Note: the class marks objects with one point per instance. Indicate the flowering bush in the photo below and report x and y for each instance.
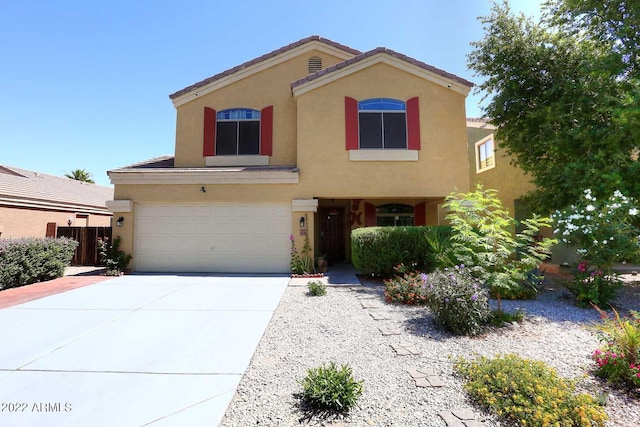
(619, 359)
(593, 287)
(112, 257)
(528, 392)
(603, 231)
(406, 287)
(457, 300)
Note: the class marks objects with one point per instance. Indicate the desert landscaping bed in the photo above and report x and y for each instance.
(306, 332)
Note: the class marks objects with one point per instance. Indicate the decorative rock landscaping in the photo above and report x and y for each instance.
(416, 389)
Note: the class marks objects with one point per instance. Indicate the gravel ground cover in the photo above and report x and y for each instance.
(307, 331)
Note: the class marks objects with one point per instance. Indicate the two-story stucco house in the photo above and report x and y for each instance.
(313, 139)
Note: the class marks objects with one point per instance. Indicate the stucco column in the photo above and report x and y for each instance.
(123, 211)
(303, 223)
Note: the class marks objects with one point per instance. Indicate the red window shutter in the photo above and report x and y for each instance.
(209, 143)
(370, 215)
(351, 123)
(266, 131)
(413, 124)
(420, 214)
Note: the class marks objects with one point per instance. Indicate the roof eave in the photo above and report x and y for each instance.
(368, 59)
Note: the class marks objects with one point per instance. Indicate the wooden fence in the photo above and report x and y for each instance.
(87, 237)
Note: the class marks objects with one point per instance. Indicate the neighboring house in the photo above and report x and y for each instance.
(490, 166)
(313, 139)
(32, 204)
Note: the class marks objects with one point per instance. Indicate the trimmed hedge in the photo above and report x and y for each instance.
(377, 250)
(31, 260)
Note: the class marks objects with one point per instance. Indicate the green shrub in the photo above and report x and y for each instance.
(500, 318)
(115, 260)
(377, 250)
(406, 287)
(521, 292)
(330, 388)
(317, 288)
(528, 392)
(483, 239)
(457, 300)
(619, 359)
(32, 260)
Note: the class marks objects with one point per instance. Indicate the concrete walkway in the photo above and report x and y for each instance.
(135, 350)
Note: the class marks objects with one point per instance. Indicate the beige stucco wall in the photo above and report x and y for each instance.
(20, 222)
(309, 132)
(325, 168)
(510, 181)
(268, 87)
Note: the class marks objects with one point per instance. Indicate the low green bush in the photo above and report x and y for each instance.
(457, 300)
(528, 393)
(329, 388)
(377, 250)
(501, 318)
(32, 260)
(317, 288)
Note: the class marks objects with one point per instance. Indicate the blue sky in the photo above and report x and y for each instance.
(85, 84)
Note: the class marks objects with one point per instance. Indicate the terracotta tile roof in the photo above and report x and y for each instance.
(263, 58)
(22, 184)
(376, 51)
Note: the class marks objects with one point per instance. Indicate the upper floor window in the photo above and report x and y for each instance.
(238, 136)
(394, 215)
(382, 124)
(237, 132)
(485, 156)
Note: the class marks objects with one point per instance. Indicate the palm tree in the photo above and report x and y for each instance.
(80, 175)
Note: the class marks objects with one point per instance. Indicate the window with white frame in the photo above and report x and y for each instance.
(382, 124)
(237, 132)
(394, 214)
(485, 154)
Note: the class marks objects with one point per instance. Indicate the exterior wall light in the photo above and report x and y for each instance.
(70, 221)
(119, 221)
(303, 222)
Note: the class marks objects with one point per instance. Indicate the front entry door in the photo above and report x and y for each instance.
(332, 237)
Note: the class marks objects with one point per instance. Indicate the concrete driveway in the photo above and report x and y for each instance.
(165, 350)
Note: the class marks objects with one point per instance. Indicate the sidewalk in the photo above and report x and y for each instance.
(75, 277)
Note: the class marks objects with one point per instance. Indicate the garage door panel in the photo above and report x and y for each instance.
(212, 238)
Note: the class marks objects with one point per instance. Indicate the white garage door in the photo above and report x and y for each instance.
(212, 238)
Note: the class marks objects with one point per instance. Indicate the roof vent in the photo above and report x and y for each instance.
(315, 64)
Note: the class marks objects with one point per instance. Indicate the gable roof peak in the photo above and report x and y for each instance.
(314, 38)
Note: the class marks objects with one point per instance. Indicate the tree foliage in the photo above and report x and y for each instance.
(80, 175)
(565, 96)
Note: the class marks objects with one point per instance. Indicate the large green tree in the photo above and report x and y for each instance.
(564, 94)
(80, 175)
